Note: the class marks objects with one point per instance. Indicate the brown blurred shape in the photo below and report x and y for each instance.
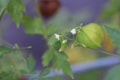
(107, 44)
(22, 78)
(48, 8)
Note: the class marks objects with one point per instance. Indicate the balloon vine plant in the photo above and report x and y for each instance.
(14, 65)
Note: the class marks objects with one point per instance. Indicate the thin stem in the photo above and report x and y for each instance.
(110, 53)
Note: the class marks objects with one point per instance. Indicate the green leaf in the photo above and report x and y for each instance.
(52, 40)
(15, 9)
(47, 57)
(111, 8)
(59, 59)
(67, 69)
(30, 63)
(108, 12)
(3, 5)
(118, 52)
(61, 63)
(45, 72)
(50, 78)
(51, 29)
(4, 50)
(33, 26)
(113, 74)
(113, 34)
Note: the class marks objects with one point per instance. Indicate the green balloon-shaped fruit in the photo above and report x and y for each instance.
(91, 35)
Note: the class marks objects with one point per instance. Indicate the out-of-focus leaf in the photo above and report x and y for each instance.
(45, 72)
(33, 26)
(51, 29)
(115, 3)
(61, 63)
(94, 74)
(113, 74)
(3, 5)
(113, 34)
(50, 78)
(52, 40)
(47, 57)
(118, 52)
(15, 9)
(30, 63)
(112, 8)
(5, 50)
(109, 12)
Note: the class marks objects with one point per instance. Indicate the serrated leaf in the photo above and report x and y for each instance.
(113, 74)
(47, 57)
(113, 34)
(30, 63)
(33, 26)
(59, 59)
(15, 9)
(52, 40)
(45, 72)
(61, 63)
(67, 69)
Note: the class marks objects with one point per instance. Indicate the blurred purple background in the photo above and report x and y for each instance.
(15, 35)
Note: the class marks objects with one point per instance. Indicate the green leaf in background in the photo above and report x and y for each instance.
(61, 63)
(52, 40)
(93, 74)
(108, 12)
(30, 63)
(118, 51)
(113, 74)
(3, 5)
(112, 8)
(4, 50)
(51, 78)
(115, 3)
(11, 64)
(33, 26)
(113, 34)
(51, 29)
(47, 57)
(15, 9)
(44, 72)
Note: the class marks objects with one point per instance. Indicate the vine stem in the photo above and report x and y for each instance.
(110, 53)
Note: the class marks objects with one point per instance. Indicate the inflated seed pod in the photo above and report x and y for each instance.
(91, 35)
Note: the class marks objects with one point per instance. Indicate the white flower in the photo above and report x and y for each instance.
(57, 36)
(73, 31)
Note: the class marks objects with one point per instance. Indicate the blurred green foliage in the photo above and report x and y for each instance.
(112, 7)
(16, 8)
(12, 61)
(95, 74)
(113, 73)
